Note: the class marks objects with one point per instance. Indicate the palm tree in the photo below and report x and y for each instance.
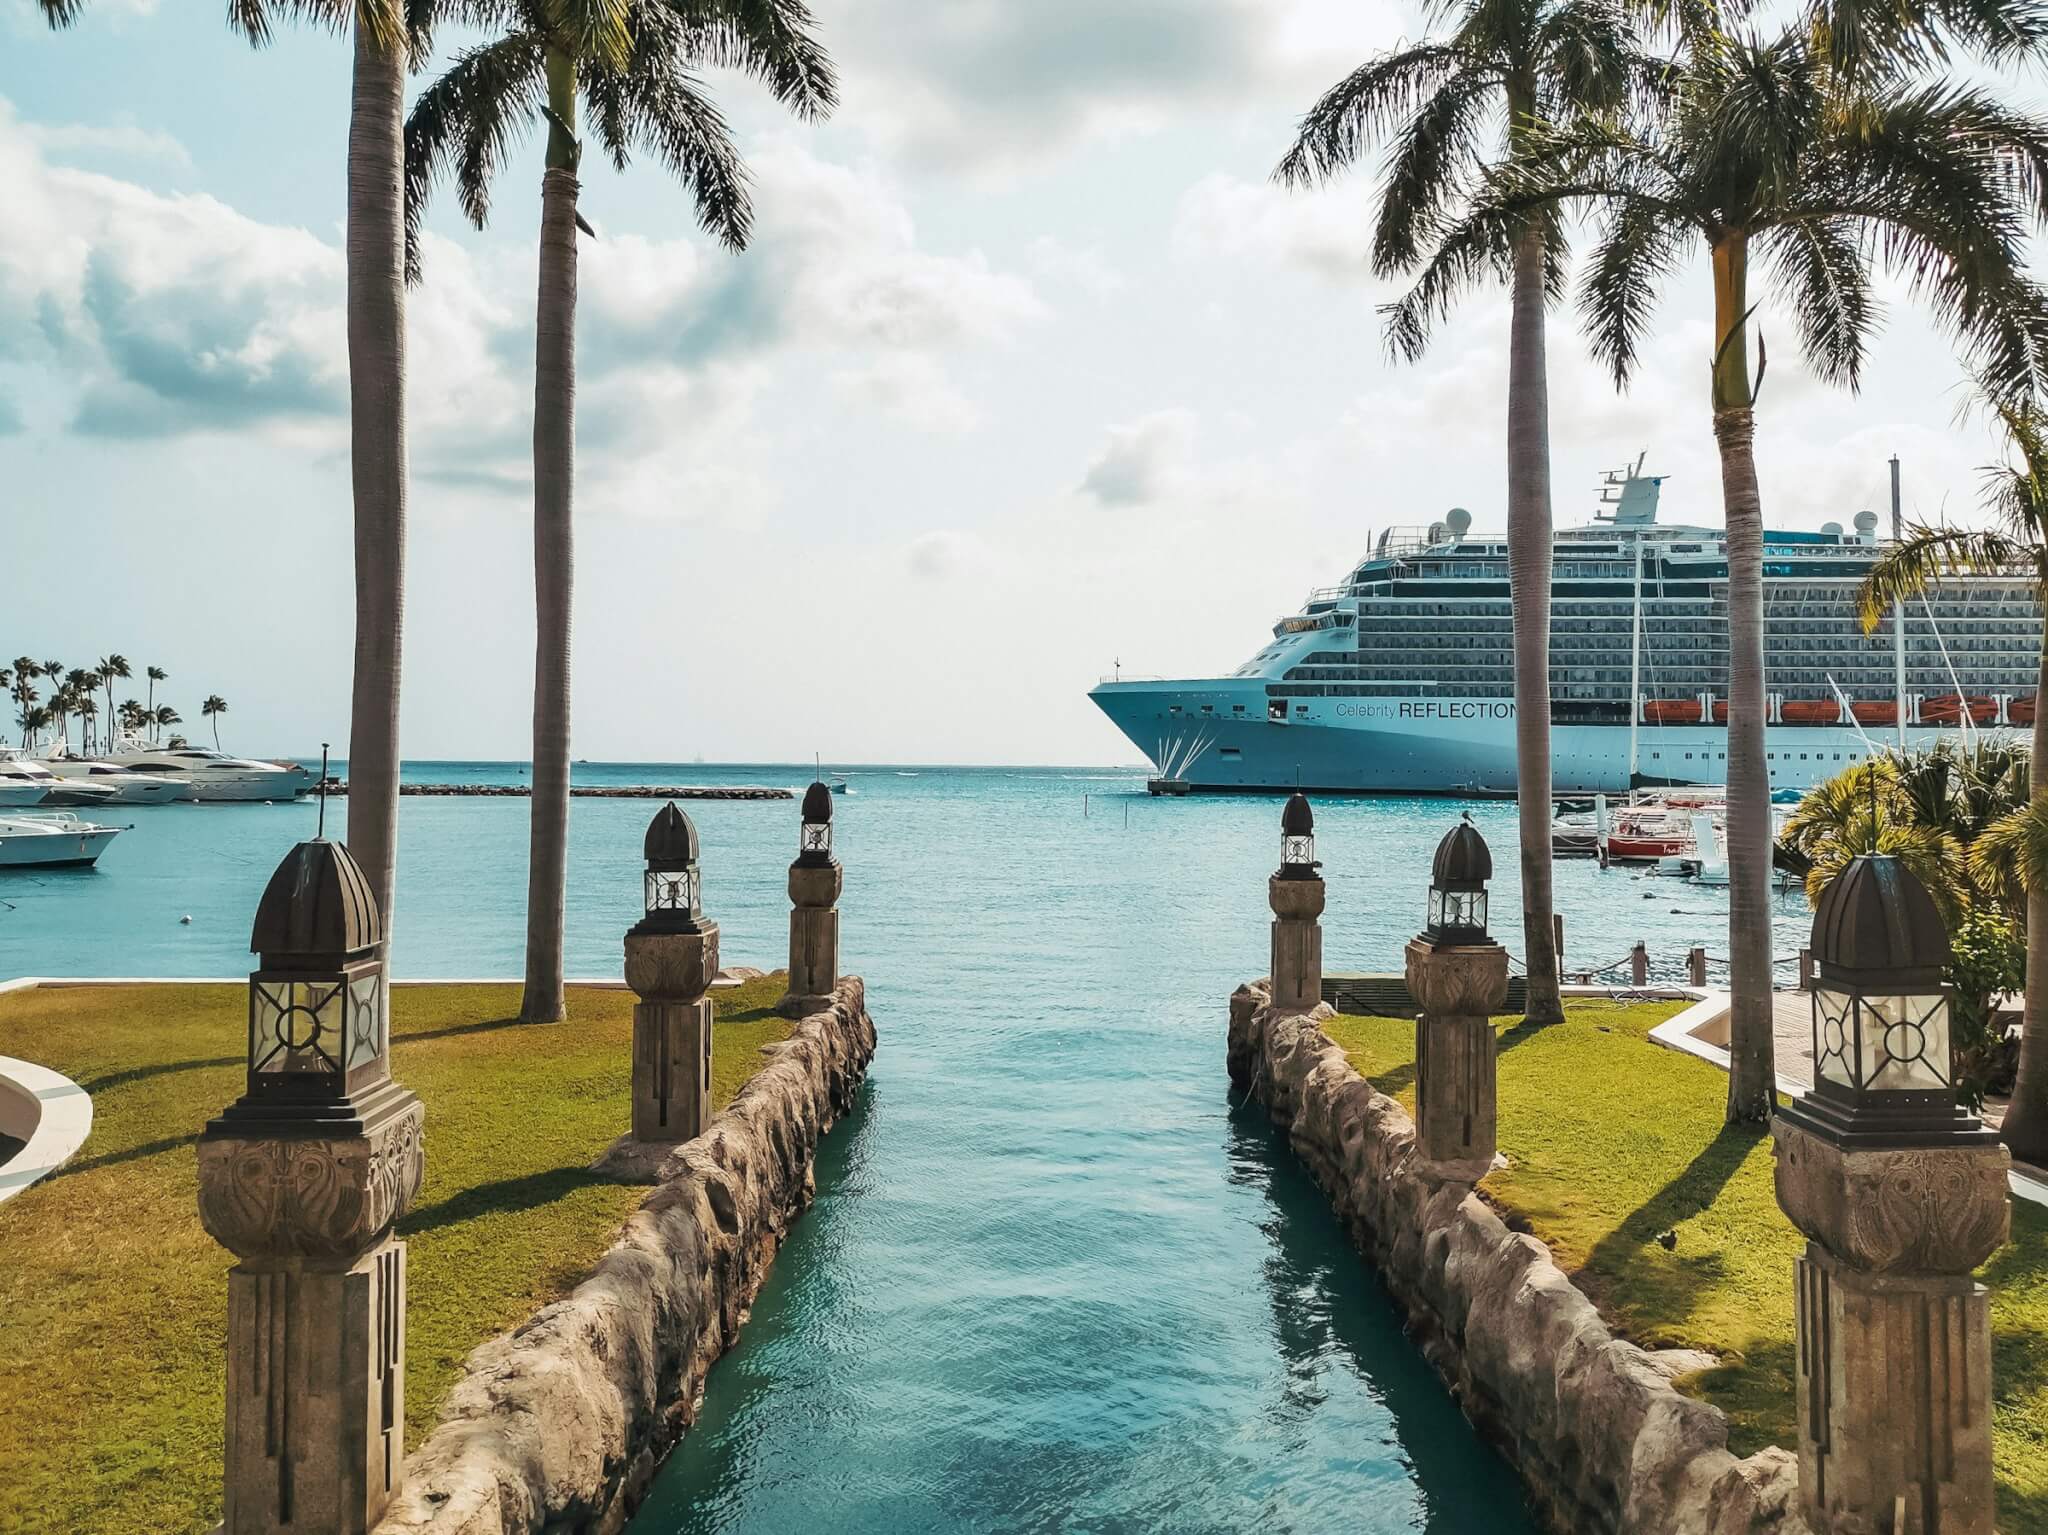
(2013, 849)
(156, 674)
(389, 34)
(1450, 107)
(634, 64)
(1765, 147)
(1870, 807)
(113, 668)
(31, 718)
(214, 707)
(164, 716)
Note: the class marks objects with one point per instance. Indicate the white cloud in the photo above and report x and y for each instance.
(946, 553)
(1327, 232)
(1082, 266)
(1143, 461)
(120, 136)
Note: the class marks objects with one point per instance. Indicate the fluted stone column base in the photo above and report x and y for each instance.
(1894, 1388)
(813, 961)
(316, 1395)
(1455, 1115)
(671, 1070)
(1297, 943)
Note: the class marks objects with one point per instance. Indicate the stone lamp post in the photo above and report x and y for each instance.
(1295, 892)
(671, 959)
(1901, 1195)
(815, 880)
(302, 1178)
(1459, 978)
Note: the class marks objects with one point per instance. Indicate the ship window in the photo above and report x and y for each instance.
(1228, 751)
(1276, 710)
(1301, 708)
(1208, 708)
(1237, 708)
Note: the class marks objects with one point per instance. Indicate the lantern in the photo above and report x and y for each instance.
(1457, 888)
(1884, 1068)
(318, 1027)
(1298, 839)
(673, 885)
(814, 838)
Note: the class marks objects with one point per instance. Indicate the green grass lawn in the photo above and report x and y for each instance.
(113, 1301)
(1614, 1140)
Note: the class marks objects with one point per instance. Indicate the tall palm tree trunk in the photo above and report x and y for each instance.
(1751, 1069)
(376, 384)
(1529, 541)
(2025, 1131)
(554, 463)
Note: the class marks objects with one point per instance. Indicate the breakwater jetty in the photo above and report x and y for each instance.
(600, 791)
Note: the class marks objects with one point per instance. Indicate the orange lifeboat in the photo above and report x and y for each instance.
(1720, 711)
(1672, 711)
(1948, 709)
(1809, 711)
(1874, 712)
(2019, 711)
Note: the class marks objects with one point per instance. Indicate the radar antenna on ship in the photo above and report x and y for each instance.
(1631, 493)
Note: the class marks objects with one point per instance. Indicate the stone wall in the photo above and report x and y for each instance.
(559, 1425)
(1602, 1439)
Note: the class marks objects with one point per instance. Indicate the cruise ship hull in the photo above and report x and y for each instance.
(1440, 745)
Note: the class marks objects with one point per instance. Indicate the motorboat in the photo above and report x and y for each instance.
(35, 784)
(53, 841)
(213, 775)
(129, 786)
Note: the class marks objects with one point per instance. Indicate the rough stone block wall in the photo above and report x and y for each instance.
(559, 1425)
(1603, 1441)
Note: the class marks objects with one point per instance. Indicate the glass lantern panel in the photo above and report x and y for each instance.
(367, 1036)
(671, 890)
(1905, 1042)
(296, 1026)
(816, 837)
(1464, 908)
(1436, 907)
(1834, 1036)
(1298, 850)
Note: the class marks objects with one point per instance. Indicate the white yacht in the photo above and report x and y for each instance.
(54, 841)
(129, 786)
(26, 781)
(212, 775)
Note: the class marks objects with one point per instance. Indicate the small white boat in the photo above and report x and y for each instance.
(54, 841)
(23, 773)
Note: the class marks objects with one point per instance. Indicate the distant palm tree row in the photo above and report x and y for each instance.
(1828, 142)
(636, 66)
(44, 714)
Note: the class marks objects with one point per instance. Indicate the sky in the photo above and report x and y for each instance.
(1029, 372)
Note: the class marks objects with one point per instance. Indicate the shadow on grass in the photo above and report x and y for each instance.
(1399, 1079)
(400, 1037)
(134, 1074)
(504, 1197)
(115, 1158)
(1755, 1390)
(1619, 1260)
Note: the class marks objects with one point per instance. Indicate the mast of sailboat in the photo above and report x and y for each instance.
(1898, 617)
(1635, 657)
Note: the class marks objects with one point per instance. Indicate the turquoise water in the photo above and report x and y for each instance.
(1052, 1281)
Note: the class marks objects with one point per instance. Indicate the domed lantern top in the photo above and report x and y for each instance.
(318, 1026)
(814, 838)
(1298, 839)
(1884, 1064)
(672, 888)
(1457, 887)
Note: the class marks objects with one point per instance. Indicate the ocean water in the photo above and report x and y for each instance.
(1053, 1280)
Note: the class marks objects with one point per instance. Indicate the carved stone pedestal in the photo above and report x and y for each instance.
(1297, 943)
(813, 937)
(1458, 989)
(1894, 1336)
(316, 1318)
(672, 972)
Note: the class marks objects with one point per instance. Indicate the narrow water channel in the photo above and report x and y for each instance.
(1053, 1281)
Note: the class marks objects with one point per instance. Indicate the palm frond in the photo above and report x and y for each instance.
(2013, 850)
(1366, 104)
(1923, 557)
(1821, 275)
(466, 121)
(1640, 245)
(660, 105)
(1434, 160)
(773, 41)
(1477, 248)
(62, 13)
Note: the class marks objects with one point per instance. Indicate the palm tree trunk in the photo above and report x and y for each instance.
(2025, 1130)
(1751, 1068)
(554, 463)
(1529, 541)
(376, 387)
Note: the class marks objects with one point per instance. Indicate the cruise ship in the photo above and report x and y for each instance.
(1401, 679)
